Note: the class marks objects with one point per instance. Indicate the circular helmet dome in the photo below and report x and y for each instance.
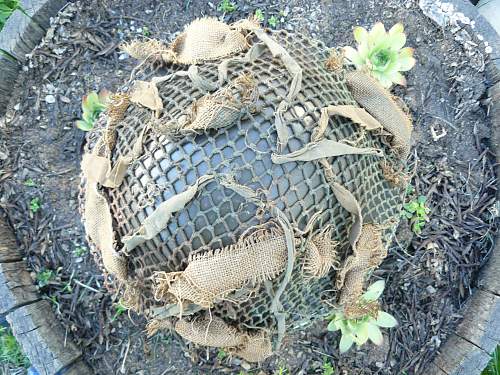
(249, 180)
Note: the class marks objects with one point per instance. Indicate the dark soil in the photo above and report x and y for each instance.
(429, 276)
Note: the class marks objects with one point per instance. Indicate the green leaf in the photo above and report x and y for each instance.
(361, 334)
(412, 206)
(407, 214)
(352, 55)
(346, 342)
(87, 102)
(85, 126)
(422, 199)
(376, 34)
(273, 21)
(259, 15)
(374, 334)
(88, 117)
(374, 291)
(360, 34)
(386, 320)
(332, 326)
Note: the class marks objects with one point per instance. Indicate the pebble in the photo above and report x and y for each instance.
(50, 99)
(431, 289)
(246, 366)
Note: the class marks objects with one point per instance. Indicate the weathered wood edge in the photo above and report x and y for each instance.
(21, 33)
(468, 350)
(32, 320)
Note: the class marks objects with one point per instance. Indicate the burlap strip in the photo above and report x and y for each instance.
(378, 102)
(276, 305)
(213, 111)
(213, 331)
(207, 39)
(367, 255)
(193, 74)
(320, 255)
(212, 275)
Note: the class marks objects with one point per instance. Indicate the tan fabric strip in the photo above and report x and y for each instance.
(193, 74)
(147, 95)
(98, 168)
(346, 200)
(378, 102)
(98, 225)
(295, 71)
(276, 305)
(159, 219)
(323, 149)
(253, 53)
(356, 114)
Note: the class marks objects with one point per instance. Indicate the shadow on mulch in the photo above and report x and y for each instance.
(429, 277)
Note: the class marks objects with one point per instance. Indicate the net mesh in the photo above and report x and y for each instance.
(217, 216)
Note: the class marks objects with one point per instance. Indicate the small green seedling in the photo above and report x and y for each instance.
(92, 106)
(282, 370)
(381, 53)
(80, 250)
(328, 368)
(272, 21)
(226, 6)
(145, 31)
(119, 310)
(10, 350)
(259, 15)
(221, 354)
(44, 277)
(417, 212)
(35, 205)
(359, 331)
(67, 287)
(493, 367)
(29, 182)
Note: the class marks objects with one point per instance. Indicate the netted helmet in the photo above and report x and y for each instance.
(248, 182)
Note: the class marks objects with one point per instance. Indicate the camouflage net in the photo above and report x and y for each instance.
(253, 189)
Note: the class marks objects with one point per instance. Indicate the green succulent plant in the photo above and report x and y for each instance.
(259, 15)
(417, 212)
(227, 6)
(93, 105)
(381, 53)
(120, 308)
(45, 277)
(273, 21)
(359, 331)
(35, 205)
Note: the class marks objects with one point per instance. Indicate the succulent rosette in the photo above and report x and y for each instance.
(381, 53)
